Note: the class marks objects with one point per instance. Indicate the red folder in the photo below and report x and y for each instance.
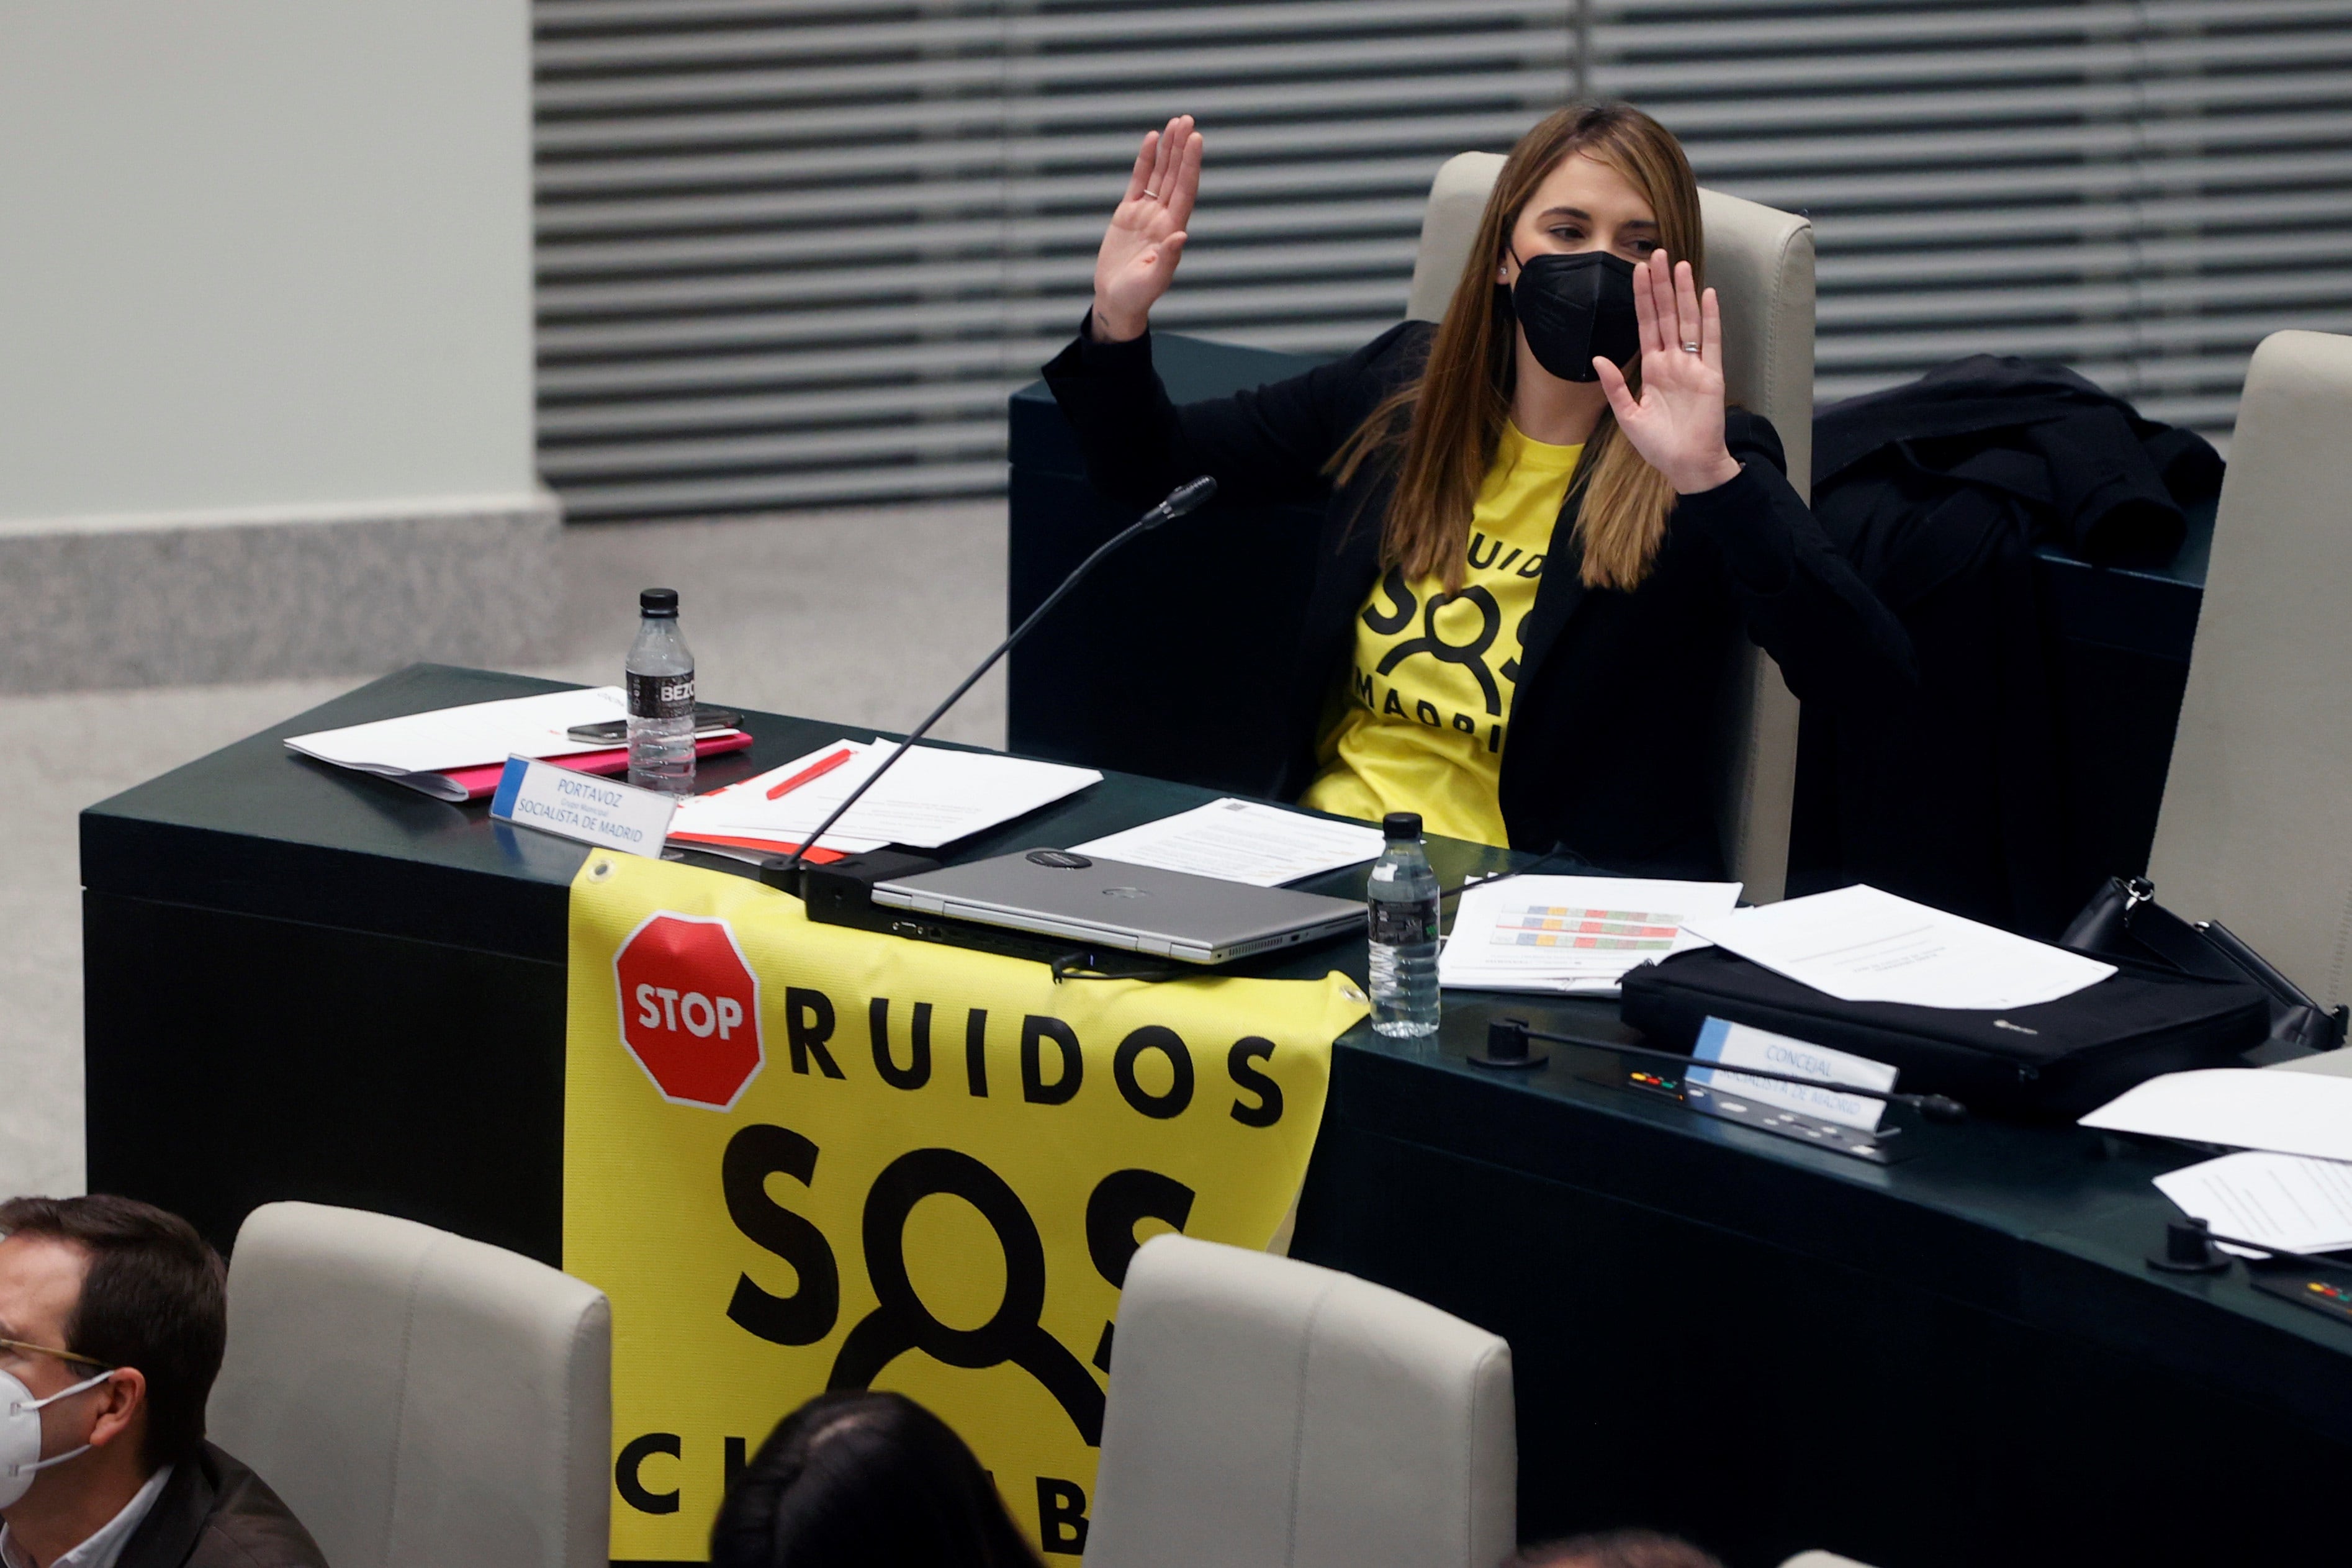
(479, 783)
(756, 848)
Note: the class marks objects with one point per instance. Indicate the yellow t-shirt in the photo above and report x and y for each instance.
(1422, 724)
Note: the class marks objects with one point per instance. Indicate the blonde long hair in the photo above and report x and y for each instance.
(1442, 430)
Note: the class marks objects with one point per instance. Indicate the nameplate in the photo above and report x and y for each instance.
(1738, 1046)
(603, 812)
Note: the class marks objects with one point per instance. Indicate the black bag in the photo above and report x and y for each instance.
(2122, 921)
(2053, 1060)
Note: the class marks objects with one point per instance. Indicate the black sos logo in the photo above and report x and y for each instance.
(900, 1322)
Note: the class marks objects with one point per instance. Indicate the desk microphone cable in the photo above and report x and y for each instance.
(2190, 1249)
(1506, 1041)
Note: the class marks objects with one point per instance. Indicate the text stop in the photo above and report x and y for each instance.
(689, 1008)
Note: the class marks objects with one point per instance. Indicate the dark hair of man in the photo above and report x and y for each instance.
(155, 1297)
(862, 1479)
(1616, 1549)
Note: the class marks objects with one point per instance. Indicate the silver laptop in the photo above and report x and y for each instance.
(1135, 908)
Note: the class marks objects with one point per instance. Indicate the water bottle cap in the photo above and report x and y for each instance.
(658, 602)
(1400, 826)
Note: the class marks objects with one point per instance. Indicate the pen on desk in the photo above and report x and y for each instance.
(815, 770)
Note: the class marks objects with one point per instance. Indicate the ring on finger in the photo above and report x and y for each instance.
(1690, 348)
(1152, 195)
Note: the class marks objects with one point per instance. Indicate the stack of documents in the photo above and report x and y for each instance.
(1573, 933)
(1859, 944)
(2279, 1200)
(441, 752)
(2293, 1188)
(933, 797)
(1241, 841)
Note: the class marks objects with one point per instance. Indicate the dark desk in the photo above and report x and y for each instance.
(304, 984)
(1957, 1359)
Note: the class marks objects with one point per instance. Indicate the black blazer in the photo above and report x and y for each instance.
(1615, 720)
(216, 1514)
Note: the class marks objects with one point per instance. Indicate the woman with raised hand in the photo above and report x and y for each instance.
(1541, 528)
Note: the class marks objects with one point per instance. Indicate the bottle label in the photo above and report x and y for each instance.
(661, 696)
(1402, 924)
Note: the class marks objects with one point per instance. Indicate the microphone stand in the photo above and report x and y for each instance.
(1186, 496)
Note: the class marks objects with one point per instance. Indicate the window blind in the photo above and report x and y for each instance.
(795, 254)
(798, 253)
(2141, 191)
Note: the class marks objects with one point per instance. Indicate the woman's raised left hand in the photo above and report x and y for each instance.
(1676, 423)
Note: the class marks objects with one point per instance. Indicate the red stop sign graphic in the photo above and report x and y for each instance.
(689, 1008)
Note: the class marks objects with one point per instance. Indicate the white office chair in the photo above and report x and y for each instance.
(1761, 262)
(419, 1400)
(1266, 1411)
(2256, 826)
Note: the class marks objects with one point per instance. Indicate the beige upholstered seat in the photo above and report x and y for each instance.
(1265, 1411)
(419, 1400)
(2256, 826)
(1761, 262)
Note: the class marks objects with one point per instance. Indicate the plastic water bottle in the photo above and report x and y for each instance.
(661, 697)
(1402, 916)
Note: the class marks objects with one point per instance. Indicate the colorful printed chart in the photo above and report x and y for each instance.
(1571, 933)
(1601, 931)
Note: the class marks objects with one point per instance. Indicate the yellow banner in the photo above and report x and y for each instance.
(800, 1156)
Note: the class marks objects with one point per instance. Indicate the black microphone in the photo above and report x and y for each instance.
(1507, 1046)
(1190, 496)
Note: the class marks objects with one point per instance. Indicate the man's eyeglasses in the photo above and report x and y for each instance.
(61, 1356)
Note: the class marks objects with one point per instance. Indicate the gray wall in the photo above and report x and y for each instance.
(263, 259)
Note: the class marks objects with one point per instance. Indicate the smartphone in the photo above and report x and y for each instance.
(707, 717)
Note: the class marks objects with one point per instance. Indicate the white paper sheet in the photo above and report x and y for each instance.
(1863, 945)
(1241, 841)
(473, 735)
(2241, 1108)
(2282, 1200)
(1739, 1046)
(932, 798)
(1577, 934)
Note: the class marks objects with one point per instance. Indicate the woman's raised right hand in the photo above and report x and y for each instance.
(1146, 238)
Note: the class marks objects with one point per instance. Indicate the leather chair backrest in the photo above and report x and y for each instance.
(1264, 1410)
(2255, 830)
(1760, 263)
(419, 1400)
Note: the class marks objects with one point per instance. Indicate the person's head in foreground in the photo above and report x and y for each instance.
(1615, 1549)
(865, 1480)
(114, 1316)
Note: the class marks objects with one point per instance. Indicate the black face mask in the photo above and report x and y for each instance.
(1575, 306)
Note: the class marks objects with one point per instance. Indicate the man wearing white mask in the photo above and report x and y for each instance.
(113, 1315)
